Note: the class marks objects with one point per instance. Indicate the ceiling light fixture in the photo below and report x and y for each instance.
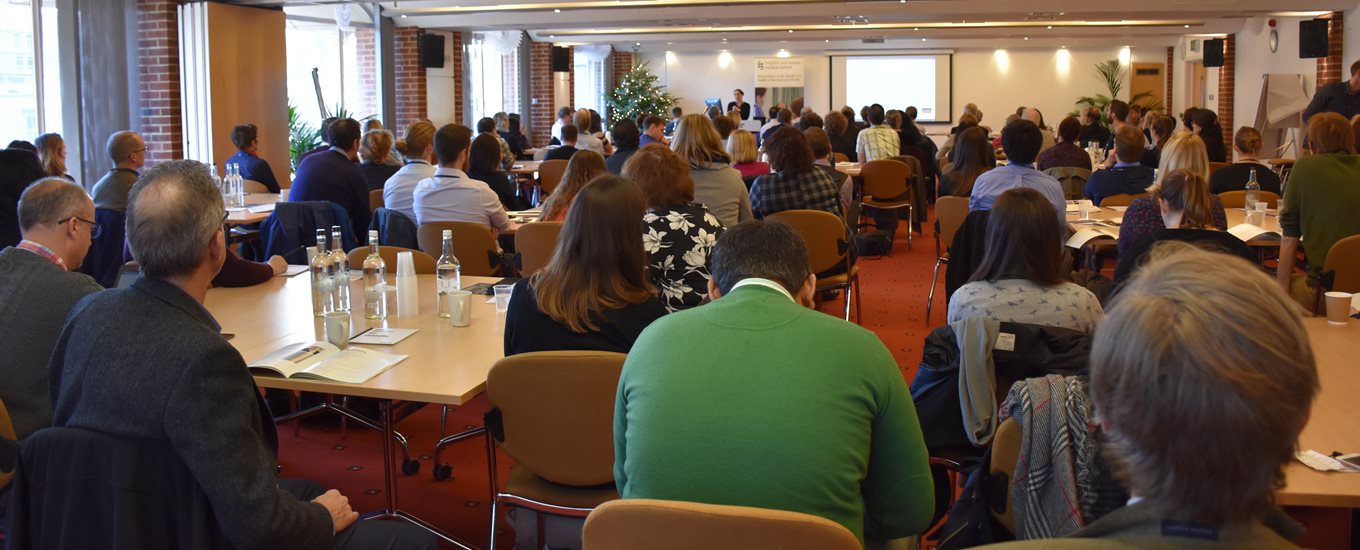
(782, 53)
(1050, 27)
(871, 27)
(403, 16)
(923, 40)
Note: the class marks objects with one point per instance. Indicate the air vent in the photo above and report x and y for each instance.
(851, 19)
(1044, 15)
(873, 40)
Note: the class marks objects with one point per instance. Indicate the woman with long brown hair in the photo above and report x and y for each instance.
(973, 155)
(594, 294)
(716, 184)
(52, 154)
(581, 169)
(1021, 277)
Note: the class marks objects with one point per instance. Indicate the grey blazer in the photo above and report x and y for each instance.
(149, 362)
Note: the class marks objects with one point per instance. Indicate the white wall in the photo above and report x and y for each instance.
(694, 77)
(1254, 60)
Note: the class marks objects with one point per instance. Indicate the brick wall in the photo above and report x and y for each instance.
(1329, 69)
(542, 110)
(457, 99)
(622, 63)
(1225, 85)
(365, 62)
(158, 72)
(410, 77)
(1170, 81)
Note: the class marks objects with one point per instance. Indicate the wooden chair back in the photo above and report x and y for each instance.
(1238, 199)
(840, 157)
(824, 234)
(1073, 180)
(473, 244)
(1343, 261)
(252, 186)
(673, 525)
(950, 211)
(535, 243)
(1122, 199)
(550, 174)
(7, 432)
(1216, 166)
(423, 262)
(1005, 454)
(884, 180)
(375, 200)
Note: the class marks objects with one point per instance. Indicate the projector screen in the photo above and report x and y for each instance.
(895, 82)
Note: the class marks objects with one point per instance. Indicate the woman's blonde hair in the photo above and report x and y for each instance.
(582, 167)
(375, 146)
(582, 121)
(49, 153)
(697, 141)
(419, 135)
(1184, 151)
(741, 147)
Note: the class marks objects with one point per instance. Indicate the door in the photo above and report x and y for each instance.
(1149, 78)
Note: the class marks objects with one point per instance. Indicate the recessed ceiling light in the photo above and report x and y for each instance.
(790, 31)
(828, 41)
(923, 40)
(403, 16)
(557, 11)
(916, 28)
(1050, 27)
(1187, 26)
(1026, 38)
(637, 43)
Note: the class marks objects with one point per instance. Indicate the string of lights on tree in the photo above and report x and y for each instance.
(639, 93)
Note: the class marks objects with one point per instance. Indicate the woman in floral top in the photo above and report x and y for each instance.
(678, 234)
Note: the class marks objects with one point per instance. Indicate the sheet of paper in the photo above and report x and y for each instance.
(1080, 238)
(292, 270)
(355, 365)
(382, 336)
(1247, 232)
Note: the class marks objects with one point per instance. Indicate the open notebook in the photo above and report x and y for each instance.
(1248, 232)
(323, 361)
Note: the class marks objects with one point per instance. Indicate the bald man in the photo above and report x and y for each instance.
(128, 152)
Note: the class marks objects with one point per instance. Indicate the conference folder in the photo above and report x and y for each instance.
(323, 361)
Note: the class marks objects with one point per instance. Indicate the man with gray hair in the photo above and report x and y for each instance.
(38, 288)
(149, 362)
(771, 370)
(128, 152)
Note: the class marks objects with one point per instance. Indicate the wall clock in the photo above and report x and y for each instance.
(1274, 40)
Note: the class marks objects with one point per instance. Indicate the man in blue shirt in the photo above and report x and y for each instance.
(1128, 176)
(333, 176)
(652, 132)
(1021, 141)
(246, 137)
(1341, 97)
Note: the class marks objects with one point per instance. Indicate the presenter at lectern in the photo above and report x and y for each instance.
(740, 104)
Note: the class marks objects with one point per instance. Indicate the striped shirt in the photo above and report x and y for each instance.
(42, 251)
(878, 142)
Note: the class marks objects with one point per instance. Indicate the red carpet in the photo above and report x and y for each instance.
(894, 291)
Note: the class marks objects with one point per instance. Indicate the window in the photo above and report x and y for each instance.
(345, 72)
(494, 73)
(30, 95)
(590, 77)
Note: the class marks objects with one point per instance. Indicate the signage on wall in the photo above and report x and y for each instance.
(779, 72)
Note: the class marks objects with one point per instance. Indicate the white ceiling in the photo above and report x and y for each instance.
(706, 25)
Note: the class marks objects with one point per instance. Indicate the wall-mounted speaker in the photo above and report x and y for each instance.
(432, 51)
(1213, 52)
(1313, 38)
(561, 59)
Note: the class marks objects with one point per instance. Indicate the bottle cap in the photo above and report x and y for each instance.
(405, 265)
(448, 233)
(373, 235)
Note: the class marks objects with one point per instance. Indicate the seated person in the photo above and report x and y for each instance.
(773, 371)
(626, 138)
(653, 131)
(842, 142)
(594, 294)
(1021, 278)
(128, 152)
(487, 127)
(1092, 131)
(741, 147)
(418, 148)
(796, 184)
(332, 176)
(174, 380)
(678, 234)
(1248, 144)
(1021, 140)
(1185, 205)
(676, 113)
(973, 156)
(38, 287)
(484, 165)
(375, 152)
(564, 115)
(1200, 434)
(724, 125)
(512, 135)
(19, 168)
(716, 184)
(568, 147)
(246, 138)
(1184, 151)
(1159, 130)
(820, 142)
(586, 138)
(1065, 154)
(583, 167)
(1128, 176)
(450, 195)
(1320, 203)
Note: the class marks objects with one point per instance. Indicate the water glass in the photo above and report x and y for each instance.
(1084, 209)
(502, 294)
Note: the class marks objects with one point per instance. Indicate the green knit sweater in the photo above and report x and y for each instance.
(754, 400)
(1322, 203)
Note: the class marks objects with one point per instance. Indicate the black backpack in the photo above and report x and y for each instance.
(971, 521)
(873, 243)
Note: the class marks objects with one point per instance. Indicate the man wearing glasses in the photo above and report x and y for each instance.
(128, 152)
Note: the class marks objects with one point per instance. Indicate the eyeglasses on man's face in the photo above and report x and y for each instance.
(95, 228)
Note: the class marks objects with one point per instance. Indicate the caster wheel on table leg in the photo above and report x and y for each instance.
(443, 472)
(410, 466)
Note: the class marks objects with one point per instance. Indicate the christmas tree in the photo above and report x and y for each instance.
(638, 93)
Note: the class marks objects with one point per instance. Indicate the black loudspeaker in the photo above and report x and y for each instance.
(1213, 52)
(432, 51)
(1313, 38)
(561, 60)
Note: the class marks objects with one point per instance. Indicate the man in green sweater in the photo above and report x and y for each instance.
(756, 399)
(1321, 203)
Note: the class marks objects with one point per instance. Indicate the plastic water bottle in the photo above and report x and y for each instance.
(219, 182)
(448, 275)
(1253, 192)
(323, 299)
(375, 281)
(340, 264)
(238, 185)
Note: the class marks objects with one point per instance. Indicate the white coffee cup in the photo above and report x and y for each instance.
(460, 306)
(1338, 306)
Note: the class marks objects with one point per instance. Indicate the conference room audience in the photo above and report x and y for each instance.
(725, 125)
(246, 138)
(450, 195)
(678, 234)
(1021, 277)
(39, 286)
(627, 140)
(653, 131)
(946, 155)
(1184, 150)
(570, 136)
(52, 155)
(1205, 125)
(879, 141)
(1185, 204)
(676, 113)
(564, 117)
(1128, 176)
(1247, 143)
(586, 139)
(23, 145)
(514, 135)
(796, 184)
(1021, 140)
(912, 144)
(783, 118)
(19, 168)
(487, 126)
(583, 168)
(814, 373)
(1034, 115)
(375, 150)
(717, 185)
(1118, 113)
(128, 153)
(1320, 203)
(418, 148)
(1066, 153)
(1160, 127)
(594, 294)
(1251, 400)
(209, 413)
(484, 165)
(820, 143)
(974, 156)
(810, 120)
(741, 148)
(842, 141)
(853, 126)
(334, 177)
(911, 112)
(324, 132)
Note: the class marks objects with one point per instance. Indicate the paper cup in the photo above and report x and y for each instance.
(337, 329)
(1338, 307)
(460, 308)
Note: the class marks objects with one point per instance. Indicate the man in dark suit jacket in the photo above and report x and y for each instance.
(332, 176)
(1127, 176)
(568, 147)
(148, 362)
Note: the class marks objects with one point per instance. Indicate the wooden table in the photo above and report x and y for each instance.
(1235, 217)
(243, 217)
(1332, 426)
(525, 167)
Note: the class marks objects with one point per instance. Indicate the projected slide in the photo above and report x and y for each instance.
(894, 81)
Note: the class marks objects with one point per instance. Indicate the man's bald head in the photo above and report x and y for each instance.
(51, 201)
(126, 147)
(174, 212)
